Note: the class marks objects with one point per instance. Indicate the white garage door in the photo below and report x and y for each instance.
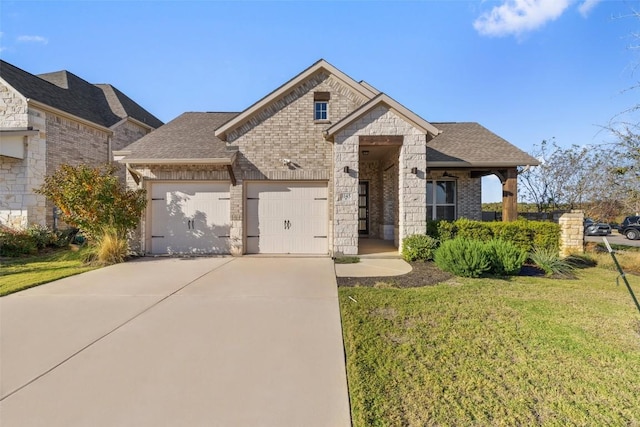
(189, 217)
(287, 218)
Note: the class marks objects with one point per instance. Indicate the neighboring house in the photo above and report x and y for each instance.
(314, 166)
(51, 119)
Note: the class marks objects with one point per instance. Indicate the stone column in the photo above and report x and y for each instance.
(571, 233)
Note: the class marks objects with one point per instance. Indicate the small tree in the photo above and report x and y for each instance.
(94, 200)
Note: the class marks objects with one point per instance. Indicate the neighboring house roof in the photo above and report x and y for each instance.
(364, 89)
(472, 145)
(103, 105)
(383, 99)
(189, 138)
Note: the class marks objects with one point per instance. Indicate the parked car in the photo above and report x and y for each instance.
(630, 227)
(594, 228)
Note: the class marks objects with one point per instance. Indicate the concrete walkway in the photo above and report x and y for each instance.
(378, 258)
(194, 342)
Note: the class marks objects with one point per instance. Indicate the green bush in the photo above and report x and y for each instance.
(523, 233)
(463, 257)
(517, 232)
(545, 235)
(473, 230)
(506, 258)
(549, 260)
(14, 243)
(418, 247)
(446, 230)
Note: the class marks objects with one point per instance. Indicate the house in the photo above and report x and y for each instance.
(51, 119)
(316, 165)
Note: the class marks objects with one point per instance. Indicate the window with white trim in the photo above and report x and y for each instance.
(321, 110)
(441, 200)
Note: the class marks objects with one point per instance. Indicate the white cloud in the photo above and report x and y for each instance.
(33, 39)
(586, 7)
(520, 16)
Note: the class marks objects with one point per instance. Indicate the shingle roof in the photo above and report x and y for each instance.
(67, 92)
(188, 136)
(470, 144)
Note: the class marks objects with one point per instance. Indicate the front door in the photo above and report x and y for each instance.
(363, 207)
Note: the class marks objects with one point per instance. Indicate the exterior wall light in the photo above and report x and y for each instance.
(346, 169)
(414, 171)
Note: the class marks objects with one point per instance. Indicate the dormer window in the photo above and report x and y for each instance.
(321, 106)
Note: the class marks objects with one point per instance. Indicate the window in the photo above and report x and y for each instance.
(321, 110)
(441, 200)
(321, 105)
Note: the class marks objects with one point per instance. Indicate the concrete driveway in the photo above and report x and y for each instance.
(165, 342)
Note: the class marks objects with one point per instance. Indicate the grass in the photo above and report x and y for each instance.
(17, 274)
(524, 351)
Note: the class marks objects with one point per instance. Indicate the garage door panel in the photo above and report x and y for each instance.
(190, 217)
(287, 217)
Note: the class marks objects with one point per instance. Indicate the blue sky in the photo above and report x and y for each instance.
(527, 70)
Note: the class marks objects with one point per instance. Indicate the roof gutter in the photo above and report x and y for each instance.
(462, 164)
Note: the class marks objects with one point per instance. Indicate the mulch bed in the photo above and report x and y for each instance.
(423, 274)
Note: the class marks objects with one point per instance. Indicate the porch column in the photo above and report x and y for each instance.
(509, 194)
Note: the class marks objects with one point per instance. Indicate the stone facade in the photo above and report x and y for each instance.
(411, 187)
(19, 206)
(571, 233)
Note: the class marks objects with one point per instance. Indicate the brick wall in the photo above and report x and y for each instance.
(123, 135)
(73, 143)
(370, 171)
(287, 130)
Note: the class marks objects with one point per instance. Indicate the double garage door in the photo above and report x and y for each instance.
(281, 218)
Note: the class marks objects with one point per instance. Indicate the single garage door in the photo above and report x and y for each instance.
(287, 218)
(188, 217)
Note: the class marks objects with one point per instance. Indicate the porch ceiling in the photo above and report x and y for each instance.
(376, 153)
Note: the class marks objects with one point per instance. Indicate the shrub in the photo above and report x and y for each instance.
(109, 248)
(506, 258)
(418, 247)
(517, 232)
(92, 199)
(445, 230)
(462, 257)
(545, 235)
(14, 243)
(473, 230)
(549, 260)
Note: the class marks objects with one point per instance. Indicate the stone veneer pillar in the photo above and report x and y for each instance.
(571, 233)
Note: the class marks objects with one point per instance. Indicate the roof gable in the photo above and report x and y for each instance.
(362, 89)
(387, 101)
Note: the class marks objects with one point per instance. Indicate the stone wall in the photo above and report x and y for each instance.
(19, 206)
(571, 233)
(411, 187)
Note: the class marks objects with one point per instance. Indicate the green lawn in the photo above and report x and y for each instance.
(526, 351)
(21, 273)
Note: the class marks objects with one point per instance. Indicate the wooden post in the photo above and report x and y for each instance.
(510, 195)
